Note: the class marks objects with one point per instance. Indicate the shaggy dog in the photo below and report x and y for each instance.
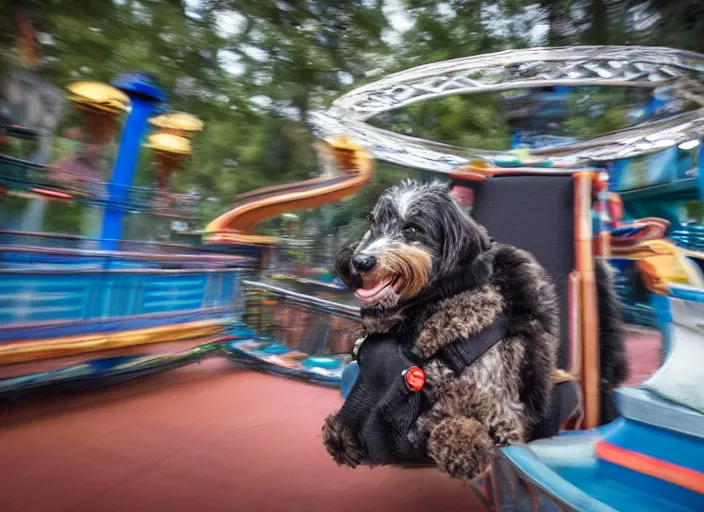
(427, 276)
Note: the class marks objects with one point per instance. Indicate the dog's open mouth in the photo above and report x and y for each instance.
(373, 291)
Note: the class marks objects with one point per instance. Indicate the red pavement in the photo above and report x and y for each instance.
(643, 347)
(209, 438)
(204, 438)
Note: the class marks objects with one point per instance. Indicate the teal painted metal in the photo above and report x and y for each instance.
(663, 319)
(65, 295)
(566, 473)
(660, 183)
(670, 209)
(521, 481)
(635, 304)
(348, 378)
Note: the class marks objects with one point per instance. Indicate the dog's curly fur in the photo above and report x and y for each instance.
(461, 281)
(613, 368)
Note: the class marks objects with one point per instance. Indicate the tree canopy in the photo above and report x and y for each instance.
(252, 70)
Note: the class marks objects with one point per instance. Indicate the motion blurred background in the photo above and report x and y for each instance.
(253, 70)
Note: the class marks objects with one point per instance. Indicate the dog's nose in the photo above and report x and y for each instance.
(364, 262)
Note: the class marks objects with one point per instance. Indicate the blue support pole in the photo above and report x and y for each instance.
(145, 97)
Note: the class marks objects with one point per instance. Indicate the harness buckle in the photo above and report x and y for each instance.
(414, 378)
(357, 346)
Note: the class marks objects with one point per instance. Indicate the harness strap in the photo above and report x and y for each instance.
(461, 353)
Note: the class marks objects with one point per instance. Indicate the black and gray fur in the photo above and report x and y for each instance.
(613, 361)
(462, 281)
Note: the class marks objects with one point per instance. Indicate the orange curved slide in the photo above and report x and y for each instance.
(352, 168)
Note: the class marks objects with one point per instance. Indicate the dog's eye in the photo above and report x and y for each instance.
(410, 230)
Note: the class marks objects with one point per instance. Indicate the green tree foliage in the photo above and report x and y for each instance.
(674, 23)
(252, 70)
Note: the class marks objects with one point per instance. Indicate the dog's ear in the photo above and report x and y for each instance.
(344, 269)
(464, 239)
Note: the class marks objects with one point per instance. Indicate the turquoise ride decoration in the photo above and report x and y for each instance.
(110, 300)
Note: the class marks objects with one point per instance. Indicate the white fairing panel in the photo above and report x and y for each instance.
(681, 377)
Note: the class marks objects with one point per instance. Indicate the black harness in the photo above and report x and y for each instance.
(385, 402)
(460, 354)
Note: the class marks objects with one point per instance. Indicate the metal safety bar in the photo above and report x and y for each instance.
(308, 301)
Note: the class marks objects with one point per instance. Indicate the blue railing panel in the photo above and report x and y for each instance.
(63, 295)
(43, 298)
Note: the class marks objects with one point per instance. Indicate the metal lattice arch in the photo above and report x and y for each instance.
(679, 72)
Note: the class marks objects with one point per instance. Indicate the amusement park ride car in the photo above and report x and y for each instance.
(651, 458)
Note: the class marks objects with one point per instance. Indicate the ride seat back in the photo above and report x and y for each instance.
(534, 213)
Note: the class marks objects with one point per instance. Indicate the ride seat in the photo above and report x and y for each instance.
(537, 211)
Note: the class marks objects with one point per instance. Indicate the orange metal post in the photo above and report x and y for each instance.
(575, 319)
(603, 244)
(589, 312)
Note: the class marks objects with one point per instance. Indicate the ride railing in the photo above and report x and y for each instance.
(58, 302)
(20, 249)
(26, 257)
(56, 183)
(48, 317)
(66, 241)
(689, 236)
(299, 321)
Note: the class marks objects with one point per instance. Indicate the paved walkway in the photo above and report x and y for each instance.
(643, 347)
(205, 438)
(209, 438)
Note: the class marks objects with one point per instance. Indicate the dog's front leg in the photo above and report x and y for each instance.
(341, 443)
(460, 446)
(466, 425)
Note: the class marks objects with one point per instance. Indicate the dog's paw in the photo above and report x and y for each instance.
(461, 447)
(340, 443)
